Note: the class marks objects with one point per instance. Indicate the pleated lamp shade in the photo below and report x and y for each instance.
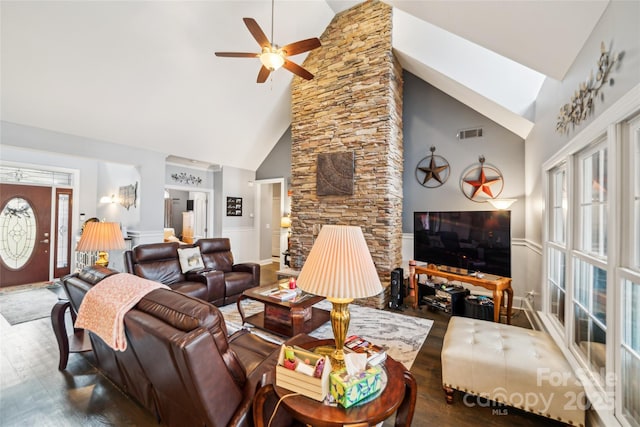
(101, 236)
(340, 265)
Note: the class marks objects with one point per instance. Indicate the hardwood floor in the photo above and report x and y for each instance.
(33, 391)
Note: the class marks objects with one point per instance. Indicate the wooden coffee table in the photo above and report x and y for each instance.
(286, 318)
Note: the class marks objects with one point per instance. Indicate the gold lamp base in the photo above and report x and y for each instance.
(340, 318)
(103, 259)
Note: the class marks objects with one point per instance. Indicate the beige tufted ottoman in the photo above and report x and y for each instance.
(518, 367)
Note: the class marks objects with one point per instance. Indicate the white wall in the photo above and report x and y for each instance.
(33, 145)
(112, 176)
(240, 229)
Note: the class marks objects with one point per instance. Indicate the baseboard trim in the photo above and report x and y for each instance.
(532, 315)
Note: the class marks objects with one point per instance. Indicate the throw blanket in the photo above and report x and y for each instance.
(104, 306)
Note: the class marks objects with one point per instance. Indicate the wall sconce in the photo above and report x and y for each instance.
(502, 204)
(109, 199)
(285, 221)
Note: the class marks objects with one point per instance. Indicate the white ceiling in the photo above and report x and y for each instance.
(144, 74)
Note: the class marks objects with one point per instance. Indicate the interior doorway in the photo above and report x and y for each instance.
(272, 204)
(188, 214)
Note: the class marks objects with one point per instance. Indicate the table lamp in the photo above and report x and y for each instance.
(101, 237)
(285, 222)
(340, 268)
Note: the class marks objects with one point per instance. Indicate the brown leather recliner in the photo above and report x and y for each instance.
(216, 255)
(179, 362)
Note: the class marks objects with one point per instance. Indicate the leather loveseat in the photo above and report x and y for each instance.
(179, 362)
(221, 282)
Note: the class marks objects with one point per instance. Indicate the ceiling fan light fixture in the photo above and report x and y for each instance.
(271, 56)
(272, 59)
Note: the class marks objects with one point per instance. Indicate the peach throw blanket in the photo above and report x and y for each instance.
(104, 306)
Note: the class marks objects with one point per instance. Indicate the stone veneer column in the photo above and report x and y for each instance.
(354, 104)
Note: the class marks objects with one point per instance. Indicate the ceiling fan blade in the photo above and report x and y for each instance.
(263, 74)
(256, 32)
(301, 46)
(237, 54)
(297, 70)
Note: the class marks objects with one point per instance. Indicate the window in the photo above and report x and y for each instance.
(593, 200)
(629, 273)
(62, 236)
(559, 206)
(10, 174)
(589, 259)
(18, 230)
(630, 352)
(557, 283)
(591, 253)
(634, 133)
(590, 334)
(557, 251)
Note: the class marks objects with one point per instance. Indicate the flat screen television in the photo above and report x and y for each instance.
(472, 240)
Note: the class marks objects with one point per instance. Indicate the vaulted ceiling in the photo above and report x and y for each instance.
(143, 73)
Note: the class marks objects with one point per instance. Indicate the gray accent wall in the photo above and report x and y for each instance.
(433, 118)
(277, 164)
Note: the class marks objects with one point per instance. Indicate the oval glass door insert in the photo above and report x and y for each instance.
(17, 233)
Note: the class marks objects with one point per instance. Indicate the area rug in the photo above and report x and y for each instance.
(402, 336)
(23, 306)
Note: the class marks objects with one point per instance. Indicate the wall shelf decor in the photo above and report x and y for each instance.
(129, 195)
(234, 206)
(481, 182)
(432, 171)
(581, 104)
(334, 175)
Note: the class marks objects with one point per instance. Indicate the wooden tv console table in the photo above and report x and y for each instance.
(501, 286)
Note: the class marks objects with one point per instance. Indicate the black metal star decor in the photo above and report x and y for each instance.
(480, 183)
(433, 170)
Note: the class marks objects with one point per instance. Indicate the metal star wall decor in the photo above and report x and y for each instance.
(433, 170)
(479, 183)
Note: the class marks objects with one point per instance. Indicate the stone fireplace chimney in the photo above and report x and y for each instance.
(353, 106)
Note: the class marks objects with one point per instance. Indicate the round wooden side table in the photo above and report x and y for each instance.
(318, 414)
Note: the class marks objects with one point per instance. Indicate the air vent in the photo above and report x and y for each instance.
(469, 133)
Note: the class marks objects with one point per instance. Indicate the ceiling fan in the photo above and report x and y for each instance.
(272, 56)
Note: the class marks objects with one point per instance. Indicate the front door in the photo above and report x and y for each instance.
(25, 225)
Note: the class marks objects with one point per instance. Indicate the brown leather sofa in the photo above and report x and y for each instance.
(221, 282)
(179, 362)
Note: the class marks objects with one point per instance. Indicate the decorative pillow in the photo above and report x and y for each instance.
(190, 259)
